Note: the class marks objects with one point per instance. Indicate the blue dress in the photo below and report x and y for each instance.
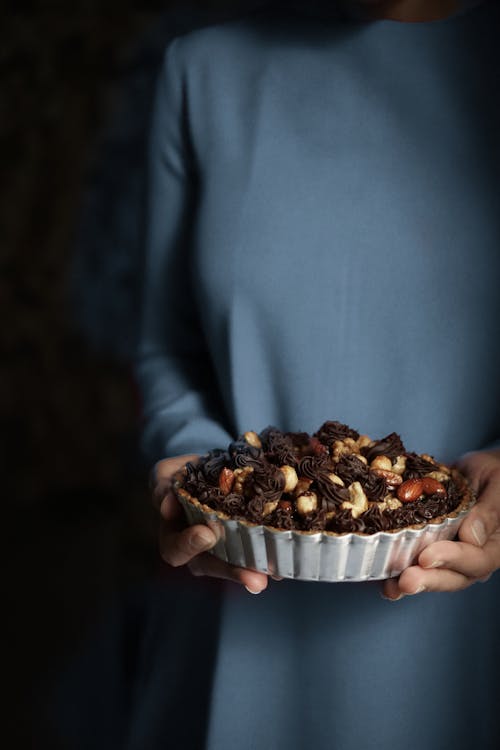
(324, 243)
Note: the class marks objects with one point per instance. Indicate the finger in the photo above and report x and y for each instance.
(415, 580)
(180, 547)
(468, 559)
(208, 565)
(170, 508)
(484, 518)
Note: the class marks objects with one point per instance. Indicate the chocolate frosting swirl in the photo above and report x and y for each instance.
(344, 522)
(390, 446)
(350, 469)
(213, 463)
(266, 482)
(314, 521)
(331, 431)
(330, 495)
(279, 447)
(417, 467)
(374, 486)
(310, 466)
(282, 519)
(243, 455)
(232, 504)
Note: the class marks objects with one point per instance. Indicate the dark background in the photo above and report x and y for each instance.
(76, 94)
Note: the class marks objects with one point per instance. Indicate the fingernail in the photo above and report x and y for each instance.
(252, 592)
(201, 540)
(393, 598)
(419, 590)
(435, 564)
(479, 533)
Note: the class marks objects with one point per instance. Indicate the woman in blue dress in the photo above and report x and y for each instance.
(324, 243)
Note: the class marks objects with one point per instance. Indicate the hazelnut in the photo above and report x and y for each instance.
(351, 444)
(334, 479)
(365, 442)
(302, 486)
(399, 466)
(307, 503)
(358, 502)
(381, 462)
(270, 507)
(252, 439)
(291, 478)
(339, 449)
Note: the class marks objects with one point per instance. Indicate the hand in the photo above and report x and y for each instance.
(455, 565)
(188, 545)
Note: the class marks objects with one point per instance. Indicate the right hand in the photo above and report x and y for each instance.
(188, 545)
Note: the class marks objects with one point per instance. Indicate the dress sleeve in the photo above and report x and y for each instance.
(181, 403)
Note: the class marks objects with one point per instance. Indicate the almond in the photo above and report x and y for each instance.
(226, 481)
(410, 490)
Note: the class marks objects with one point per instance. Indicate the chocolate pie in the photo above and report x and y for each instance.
(335, 481)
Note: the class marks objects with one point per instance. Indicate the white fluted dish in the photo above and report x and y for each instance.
(321, 556)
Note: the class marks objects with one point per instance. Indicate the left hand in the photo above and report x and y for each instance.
(455, 565)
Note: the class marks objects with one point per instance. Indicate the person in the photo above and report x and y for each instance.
(323, 244)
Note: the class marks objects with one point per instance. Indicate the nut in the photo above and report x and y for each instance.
(240, 477)
(400, 465)
(226, 480)
(291, 478)
(439, 475)
(365, 442)
(445, 469)
(362, 458)
(307, 503)
(381, 462)
(351, 444)
(358, 500)
(431, 486)
(339, 449)
(334, 479)
(392, 479)
(302, 486)
(252, 439)
(410, 490)
(270, 507)
(390, 503)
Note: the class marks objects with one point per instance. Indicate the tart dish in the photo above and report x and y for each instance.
(332, 506)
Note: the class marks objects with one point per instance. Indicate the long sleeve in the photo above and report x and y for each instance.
(182, 409)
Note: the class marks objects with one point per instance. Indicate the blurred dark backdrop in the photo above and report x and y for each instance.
(77, 87)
